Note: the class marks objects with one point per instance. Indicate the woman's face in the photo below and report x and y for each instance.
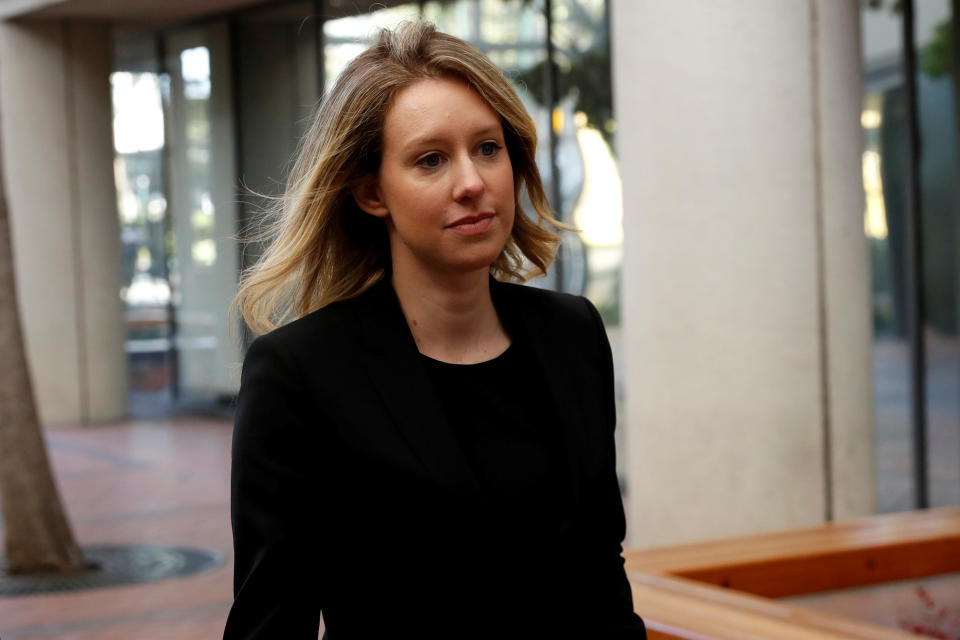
(445, 186)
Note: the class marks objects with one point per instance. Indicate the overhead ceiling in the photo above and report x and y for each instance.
(136, 13)
(127, 12)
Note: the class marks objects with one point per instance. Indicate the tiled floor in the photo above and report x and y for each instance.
(162, 483)
(894, 440)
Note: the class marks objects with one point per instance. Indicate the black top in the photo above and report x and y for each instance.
(503, 417)
(508, 432)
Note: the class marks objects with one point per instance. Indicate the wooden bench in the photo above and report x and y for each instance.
(723, 590)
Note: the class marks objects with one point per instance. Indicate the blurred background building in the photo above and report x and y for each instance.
(756, 232)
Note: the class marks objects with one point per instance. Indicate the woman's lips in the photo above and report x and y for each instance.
(472, 225)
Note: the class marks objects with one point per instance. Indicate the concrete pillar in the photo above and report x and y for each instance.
(58, 152)
(746, 274)
(848, 322)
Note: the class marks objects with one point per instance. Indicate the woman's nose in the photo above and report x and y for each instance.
(468, 182)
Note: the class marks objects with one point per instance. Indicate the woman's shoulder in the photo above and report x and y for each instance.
(324, 321)
(318, 334)
(553, 306)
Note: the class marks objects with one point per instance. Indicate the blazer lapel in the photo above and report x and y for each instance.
(393, 363)
(525, 320)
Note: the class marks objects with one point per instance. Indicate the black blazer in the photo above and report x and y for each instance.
(351, 494)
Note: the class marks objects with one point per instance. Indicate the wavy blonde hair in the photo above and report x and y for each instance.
(321, 247)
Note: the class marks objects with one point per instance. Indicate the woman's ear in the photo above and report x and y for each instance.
(368, 197)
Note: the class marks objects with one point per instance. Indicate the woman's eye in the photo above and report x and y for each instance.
(430, 161)
(489, 148)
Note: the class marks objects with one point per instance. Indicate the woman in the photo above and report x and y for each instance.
(425, 451)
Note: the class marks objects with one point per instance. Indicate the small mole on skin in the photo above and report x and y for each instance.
(414, 323)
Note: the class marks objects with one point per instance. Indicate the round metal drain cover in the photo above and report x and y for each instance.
(116, 565)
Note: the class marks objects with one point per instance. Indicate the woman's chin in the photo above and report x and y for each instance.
(481, 262)
(462, 261)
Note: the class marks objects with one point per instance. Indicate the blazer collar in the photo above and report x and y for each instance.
(393, 363)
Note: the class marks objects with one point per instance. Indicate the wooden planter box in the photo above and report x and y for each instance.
(725, 589)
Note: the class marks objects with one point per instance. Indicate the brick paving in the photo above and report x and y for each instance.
(893, 438)
(163, 482)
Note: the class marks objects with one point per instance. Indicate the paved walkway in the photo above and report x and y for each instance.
(894, 440)
(160, 483)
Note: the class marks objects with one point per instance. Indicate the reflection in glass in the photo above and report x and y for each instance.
(138, 133)
(884, 171)
(195, 74)
(278, 87)
(598, 213)
(582, 122)
(137, 112)
(885, 174)
(345, 38)
(937, 119)
(203, 204)
(884, 168)
(195, 69)
(194, 253)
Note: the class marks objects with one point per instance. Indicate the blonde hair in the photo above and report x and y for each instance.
(321, 246)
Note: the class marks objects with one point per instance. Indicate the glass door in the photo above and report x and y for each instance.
(203, 212)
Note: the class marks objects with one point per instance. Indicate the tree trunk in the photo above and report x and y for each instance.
(38, 535)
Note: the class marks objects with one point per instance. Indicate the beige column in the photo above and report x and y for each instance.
(746, 275)
(848, 321)
(58, 151)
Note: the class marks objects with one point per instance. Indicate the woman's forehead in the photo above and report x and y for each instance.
(431, 108)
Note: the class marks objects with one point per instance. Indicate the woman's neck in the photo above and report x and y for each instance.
(451, 317)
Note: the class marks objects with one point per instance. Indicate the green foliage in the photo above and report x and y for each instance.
(937, 58)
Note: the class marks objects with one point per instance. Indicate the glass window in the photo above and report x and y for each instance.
(937, 119)
(202, 194)
(590, 190)
(885, 129)
(175, 167)
(885, 180)
(345, 37)
(278, 88)
(139, 141)
(884, 174)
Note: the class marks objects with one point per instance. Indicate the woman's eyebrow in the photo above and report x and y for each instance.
(430, 139)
